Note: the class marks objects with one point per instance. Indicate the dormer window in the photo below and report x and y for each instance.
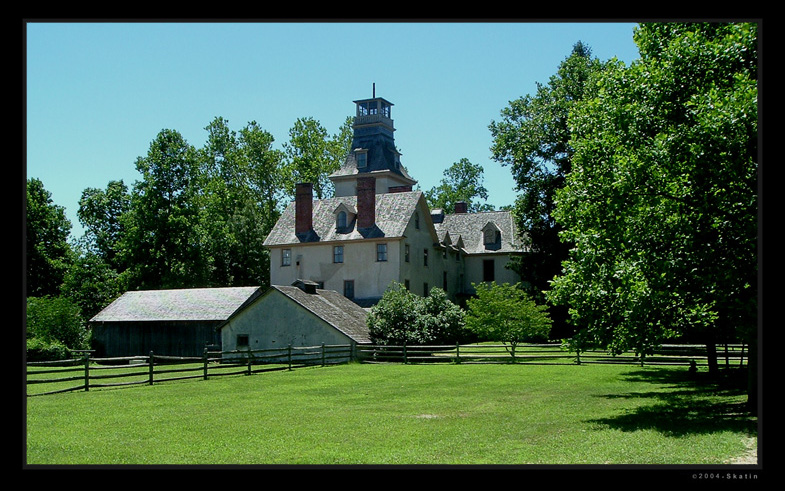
(492, 236)
(344, 215)
(362, 158)
(341, 221)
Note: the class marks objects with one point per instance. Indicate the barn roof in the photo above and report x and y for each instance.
(193, 304)
(332, 307)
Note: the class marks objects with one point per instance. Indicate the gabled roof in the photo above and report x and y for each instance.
(333, 308)
(393, 212)
(193, 304)
(467, 228)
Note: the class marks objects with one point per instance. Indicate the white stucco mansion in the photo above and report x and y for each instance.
(377, 230)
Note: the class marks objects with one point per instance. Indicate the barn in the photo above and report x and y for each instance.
(299, 315)
(167, 322)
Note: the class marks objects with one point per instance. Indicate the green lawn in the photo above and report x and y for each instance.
(400, 414)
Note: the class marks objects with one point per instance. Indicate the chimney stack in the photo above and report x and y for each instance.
(366, 202)
(303, 208)
(461, 207)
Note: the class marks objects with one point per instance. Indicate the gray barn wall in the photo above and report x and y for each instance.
(171, 338)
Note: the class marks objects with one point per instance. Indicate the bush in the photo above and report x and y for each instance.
(56, 320)
(401, 317)
(41, 350)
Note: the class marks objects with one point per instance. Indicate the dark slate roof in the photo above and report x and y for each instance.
(332, 307)
(467, 229)
(393, 211)
(196, 304)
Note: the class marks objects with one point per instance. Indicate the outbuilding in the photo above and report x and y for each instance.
(300, 315)
(177, 322)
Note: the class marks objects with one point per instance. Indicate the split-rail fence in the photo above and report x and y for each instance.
(86, 372)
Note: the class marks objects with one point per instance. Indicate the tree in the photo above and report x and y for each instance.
(403, 318)
(240, 188)
(661, 203)
(163, 243)
(311, 156)
(463, 181)
(47, 254)
(505, 313)
(101, 214)
(533, 139)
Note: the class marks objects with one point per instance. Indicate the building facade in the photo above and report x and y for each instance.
(378, 230)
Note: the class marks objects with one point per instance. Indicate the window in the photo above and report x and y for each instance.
(340, 222)
(348, 288)
(425, 257)
(338, 254)
(444, 281)
(488, 270)
(417, 221)
(242, 341)
(381, 252)
(406, 284)
(362, 160)
(425, 289)
(406, 253)
(286, 257)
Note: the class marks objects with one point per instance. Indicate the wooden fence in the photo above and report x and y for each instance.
(87, 372)
(550, 353)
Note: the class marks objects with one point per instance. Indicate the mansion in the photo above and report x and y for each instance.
(377, 230)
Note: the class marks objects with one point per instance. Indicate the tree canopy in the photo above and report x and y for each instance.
(462, 182)
(661, 201)
(532, 138)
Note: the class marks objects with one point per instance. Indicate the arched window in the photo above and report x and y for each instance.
(341, 221)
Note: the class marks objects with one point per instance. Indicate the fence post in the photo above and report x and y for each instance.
(87, 372)
(458, 352)
(577, 357)
(290, 357)
(249, 360)
(205, 362)
(405, 360)
(151, 368)
(323, 356)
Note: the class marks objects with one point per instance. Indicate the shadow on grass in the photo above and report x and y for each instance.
(693, 404)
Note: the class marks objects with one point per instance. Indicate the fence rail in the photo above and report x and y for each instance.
(90, 372)
(550, 353)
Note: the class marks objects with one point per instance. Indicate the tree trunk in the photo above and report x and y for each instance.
(752, 375)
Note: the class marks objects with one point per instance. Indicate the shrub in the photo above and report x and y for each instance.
(56, 320)
(401, 317)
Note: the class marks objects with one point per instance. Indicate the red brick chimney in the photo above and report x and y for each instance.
(303, 208)
(366, 202)
(461, 207)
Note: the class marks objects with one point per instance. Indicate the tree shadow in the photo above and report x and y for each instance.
(696, 404)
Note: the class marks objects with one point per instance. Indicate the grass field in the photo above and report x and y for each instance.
(400, 414)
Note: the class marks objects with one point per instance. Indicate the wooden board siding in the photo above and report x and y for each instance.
(172, 338)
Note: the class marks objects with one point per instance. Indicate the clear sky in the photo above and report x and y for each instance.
(97, 94)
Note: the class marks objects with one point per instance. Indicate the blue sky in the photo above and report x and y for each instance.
(97, 94)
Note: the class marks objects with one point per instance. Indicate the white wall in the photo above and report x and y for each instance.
(314, 262)
(275, 321)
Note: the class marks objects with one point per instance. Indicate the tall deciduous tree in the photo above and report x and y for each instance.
(661, 203)
(241, 183)
(163, 244)
(48, 254)
(101, 213)
(463, 181)
(311, 155)
(533, 139)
